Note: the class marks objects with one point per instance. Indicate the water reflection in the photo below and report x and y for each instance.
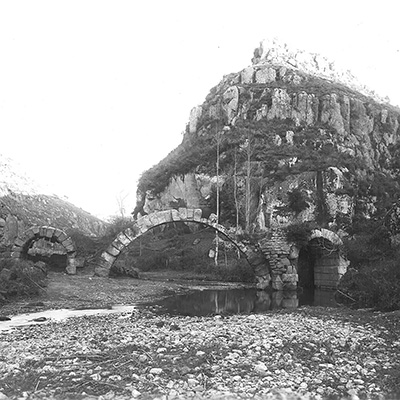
(239, 301)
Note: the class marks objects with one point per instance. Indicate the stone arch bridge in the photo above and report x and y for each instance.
(275, 261)
(23, 243)
(147, 222)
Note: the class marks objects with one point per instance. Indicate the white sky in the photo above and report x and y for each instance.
(93, 92)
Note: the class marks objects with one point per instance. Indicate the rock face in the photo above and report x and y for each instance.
(299, 142)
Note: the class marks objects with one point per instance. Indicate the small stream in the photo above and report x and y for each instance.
(197, 303)
(57, 316)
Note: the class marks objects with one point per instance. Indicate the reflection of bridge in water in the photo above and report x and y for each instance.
(239, 301)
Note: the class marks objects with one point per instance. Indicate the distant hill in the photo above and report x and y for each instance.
(24, 203)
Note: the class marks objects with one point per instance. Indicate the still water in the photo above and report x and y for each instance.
(238, 301)
(197, 303)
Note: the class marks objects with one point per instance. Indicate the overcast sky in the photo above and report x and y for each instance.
(92, 93)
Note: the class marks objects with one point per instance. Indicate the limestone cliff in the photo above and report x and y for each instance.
(298, 141)
(24, 203)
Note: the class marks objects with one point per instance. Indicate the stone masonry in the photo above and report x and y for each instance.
(143, 224)
(22, 243)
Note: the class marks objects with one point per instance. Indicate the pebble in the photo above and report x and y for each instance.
(156, 371)
(247, 356)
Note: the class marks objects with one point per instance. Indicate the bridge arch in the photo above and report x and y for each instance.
(54, 235)
(326, 234)
(320, 263)
(147, 222)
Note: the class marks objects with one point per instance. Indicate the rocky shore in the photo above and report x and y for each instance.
(306, 353)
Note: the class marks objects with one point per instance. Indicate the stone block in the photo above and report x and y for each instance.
(70, 270)
(42, 231)
(133, 232)
(71, 267)
(263, 282)
(19, 242)
(67, 242)
(113, 250)
(165, 216)
(175, 215)
(222, 229)
(197, 214)
(123, 239)
(290, 278)
(242, 247)
(277, 298)
(118, 244)
(183, 212)
(144, 224)
(63, 236)
(212, 218)
(50, 232)
(70, 248)
(190, 214)
(277, 283)
(57, 233)
(108, 257)
(35, 230)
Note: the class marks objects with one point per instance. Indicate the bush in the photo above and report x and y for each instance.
(300, 233)
(85, 245)
(21, 278)
(375, 285)
(236, 271)
(297, 200)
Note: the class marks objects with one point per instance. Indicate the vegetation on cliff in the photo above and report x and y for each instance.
(280, 132)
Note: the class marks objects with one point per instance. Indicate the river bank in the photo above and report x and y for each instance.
(313, 352)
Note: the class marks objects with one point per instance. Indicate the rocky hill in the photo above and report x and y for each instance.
(298, 140)
(24, 203)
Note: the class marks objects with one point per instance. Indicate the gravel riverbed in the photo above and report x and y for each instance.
(304, 353)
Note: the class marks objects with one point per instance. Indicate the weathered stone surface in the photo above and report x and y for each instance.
(112, 250)
(123, 239)
(71, 269)
(50, 232)
(231, 102)
(197, 214)
(143, 224)
(108, 258)
(118, 244)
(195, 115)
(247, 75)
(265, 75)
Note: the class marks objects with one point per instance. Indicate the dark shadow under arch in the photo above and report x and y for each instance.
(54, 235)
